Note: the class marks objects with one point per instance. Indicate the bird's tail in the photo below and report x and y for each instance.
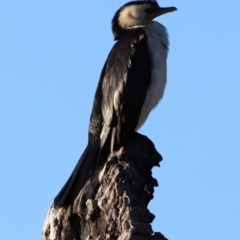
(79, 176)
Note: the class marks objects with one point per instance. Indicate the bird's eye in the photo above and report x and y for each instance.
(148, 10)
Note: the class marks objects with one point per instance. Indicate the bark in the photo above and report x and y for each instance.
(113, 203)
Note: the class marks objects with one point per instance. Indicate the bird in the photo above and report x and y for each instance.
(131, 84)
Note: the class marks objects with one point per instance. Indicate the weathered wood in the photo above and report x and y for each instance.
(113, 203)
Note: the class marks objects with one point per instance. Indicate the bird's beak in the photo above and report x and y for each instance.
(152, 13)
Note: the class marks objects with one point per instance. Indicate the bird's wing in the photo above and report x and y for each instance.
(88, 161)
(124, 85)
(116, 108)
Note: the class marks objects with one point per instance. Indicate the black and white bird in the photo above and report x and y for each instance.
(131, 84)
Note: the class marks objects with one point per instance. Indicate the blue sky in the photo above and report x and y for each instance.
(51, 55)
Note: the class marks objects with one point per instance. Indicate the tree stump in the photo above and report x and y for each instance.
(113, 203)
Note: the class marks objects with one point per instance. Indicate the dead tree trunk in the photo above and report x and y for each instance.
(113, 203)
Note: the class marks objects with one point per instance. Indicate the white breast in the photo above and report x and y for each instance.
(157, 38)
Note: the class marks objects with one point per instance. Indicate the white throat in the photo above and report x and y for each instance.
(157, 39)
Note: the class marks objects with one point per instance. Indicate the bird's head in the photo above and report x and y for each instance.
(136, 13)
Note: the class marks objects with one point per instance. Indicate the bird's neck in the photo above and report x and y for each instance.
(157, 31)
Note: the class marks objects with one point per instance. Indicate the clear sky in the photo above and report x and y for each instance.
(51, 55)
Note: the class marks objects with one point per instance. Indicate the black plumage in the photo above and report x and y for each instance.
(117, 105)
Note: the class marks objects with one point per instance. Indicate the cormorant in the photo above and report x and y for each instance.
(131, 84)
